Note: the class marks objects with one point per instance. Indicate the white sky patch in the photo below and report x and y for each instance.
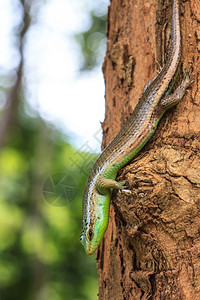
(79, 106)
(73, 102)
(9, 57)
(70, 17)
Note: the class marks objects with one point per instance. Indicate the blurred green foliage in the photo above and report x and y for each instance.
(41, 256)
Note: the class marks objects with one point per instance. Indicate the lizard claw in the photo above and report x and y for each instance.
(126, 191)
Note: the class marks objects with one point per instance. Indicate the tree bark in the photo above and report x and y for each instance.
(151, 249)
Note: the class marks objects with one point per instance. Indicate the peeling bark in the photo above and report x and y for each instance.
(151, 249)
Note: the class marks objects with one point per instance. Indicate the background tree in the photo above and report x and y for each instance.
(151, 247)
(40, 253)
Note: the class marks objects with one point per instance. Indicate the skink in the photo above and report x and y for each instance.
(129, 141)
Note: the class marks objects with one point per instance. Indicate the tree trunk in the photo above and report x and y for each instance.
(13, 97)
(151, 249)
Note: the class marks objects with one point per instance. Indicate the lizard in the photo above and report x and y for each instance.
(138, 129)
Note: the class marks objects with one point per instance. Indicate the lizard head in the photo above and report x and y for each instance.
(95, 219)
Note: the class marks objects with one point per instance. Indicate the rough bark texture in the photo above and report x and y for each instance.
(151, 249)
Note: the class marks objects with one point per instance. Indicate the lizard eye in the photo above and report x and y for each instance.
(90, 234)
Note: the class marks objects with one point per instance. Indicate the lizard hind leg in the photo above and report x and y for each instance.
(170, 100)
(149, 82)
